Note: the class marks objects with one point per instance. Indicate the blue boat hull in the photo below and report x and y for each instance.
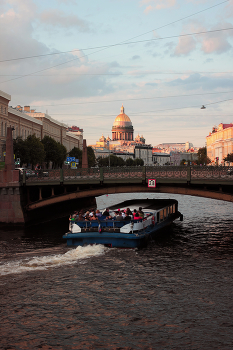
(116, 240)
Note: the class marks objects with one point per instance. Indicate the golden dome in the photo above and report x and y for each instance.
(122, 119)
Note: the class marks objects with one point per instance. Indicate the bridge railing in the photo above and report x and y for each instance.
(130, 174)
(210, 172)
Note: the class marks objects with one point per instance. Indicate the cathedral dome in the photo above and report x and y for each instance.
(122, 120)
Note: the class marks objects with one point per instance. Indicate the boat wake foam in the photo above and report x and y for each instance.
(49, 261)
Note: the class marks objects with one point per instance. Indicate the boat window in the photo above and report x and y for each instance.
(174, 208)
(157, 217)
(161, 215)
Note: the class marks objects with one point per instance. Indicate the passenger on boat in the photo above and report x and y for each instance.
(87, 217)
(119, 216)
(123, 214)
(140, 212)
(98, 213)
(134, 212)
(73, 216)
(128, 212)
(136, 216)
(80, 217)
(93, 217)
(127, 218)
(106, 212)
(92, 212)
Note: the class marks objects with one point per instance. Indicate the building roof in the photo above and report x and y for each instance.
(122, 120)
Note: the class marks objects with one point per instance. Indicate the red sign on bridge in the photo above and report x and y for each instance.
(151, 183)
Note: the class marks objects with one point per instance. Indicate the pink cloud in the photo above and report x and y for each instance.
(153, 5)
(185, 46)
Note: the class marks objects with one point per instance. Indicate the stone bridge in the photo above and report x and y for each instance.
(41, 195)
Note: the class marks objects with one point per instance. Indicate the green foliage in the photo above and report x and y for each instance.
(61, 155)
(55, 152)
(21, 150)
(105, 161)
(229, 158)
(118, 161)
(91, 157)
(202, 156)
(50, 147)
(139, 161)
(129, 162)
(36, 152)
(77, 153)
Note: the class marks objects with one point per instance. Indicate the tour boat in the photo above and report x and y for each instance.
(158, 213)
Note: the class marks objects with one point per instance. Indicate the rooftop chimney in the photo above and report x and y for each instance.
(26, 108)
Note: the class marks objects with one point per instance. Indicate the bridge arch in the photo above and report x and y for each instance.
(133, 188)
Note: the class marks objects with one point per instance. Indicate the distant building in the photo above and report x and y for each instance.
(26, 121)
(161, 158)
(181, 147)
(144, 152)
(122, 127)
(122, 143)
(177, 157)
(124, 155)
(220, 143)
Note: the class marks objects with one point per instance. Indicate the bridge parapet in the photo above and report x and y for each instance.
(140, 174)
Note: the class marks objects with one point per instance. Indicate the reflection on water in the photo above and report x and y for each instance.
(176, 293)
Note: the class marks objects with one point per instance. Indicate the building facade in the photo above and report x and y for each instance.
(25, 122)
(219, 143)
(144, 152)
(161, 158)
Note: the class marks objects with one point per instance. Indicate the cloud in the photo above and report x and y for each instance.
(199, 82)
(217, 42)
(185, 46)
(136, 57)
(152, 5)
(18, 39)
(56, 18)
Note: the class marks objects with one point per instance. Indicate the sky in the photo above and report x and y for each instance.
(79, 61)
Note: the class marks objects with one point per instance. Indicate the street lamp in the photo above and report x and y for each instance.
(108, 152)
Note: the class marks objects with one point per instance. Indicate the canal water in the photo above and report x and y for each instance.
(176, 293)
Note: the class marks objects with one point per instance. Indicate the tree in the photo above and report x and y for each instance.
(91, 157)
(202, 156)
(77, 153)
(61, 155)
(229, 158)
(21, 150)
(114, 161)
(139, 162)
(35, 149)
(129, 162)
(51, 149)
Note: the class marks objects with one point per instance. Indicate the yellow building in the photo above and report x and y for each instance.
(220, 143)
(26, 121)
